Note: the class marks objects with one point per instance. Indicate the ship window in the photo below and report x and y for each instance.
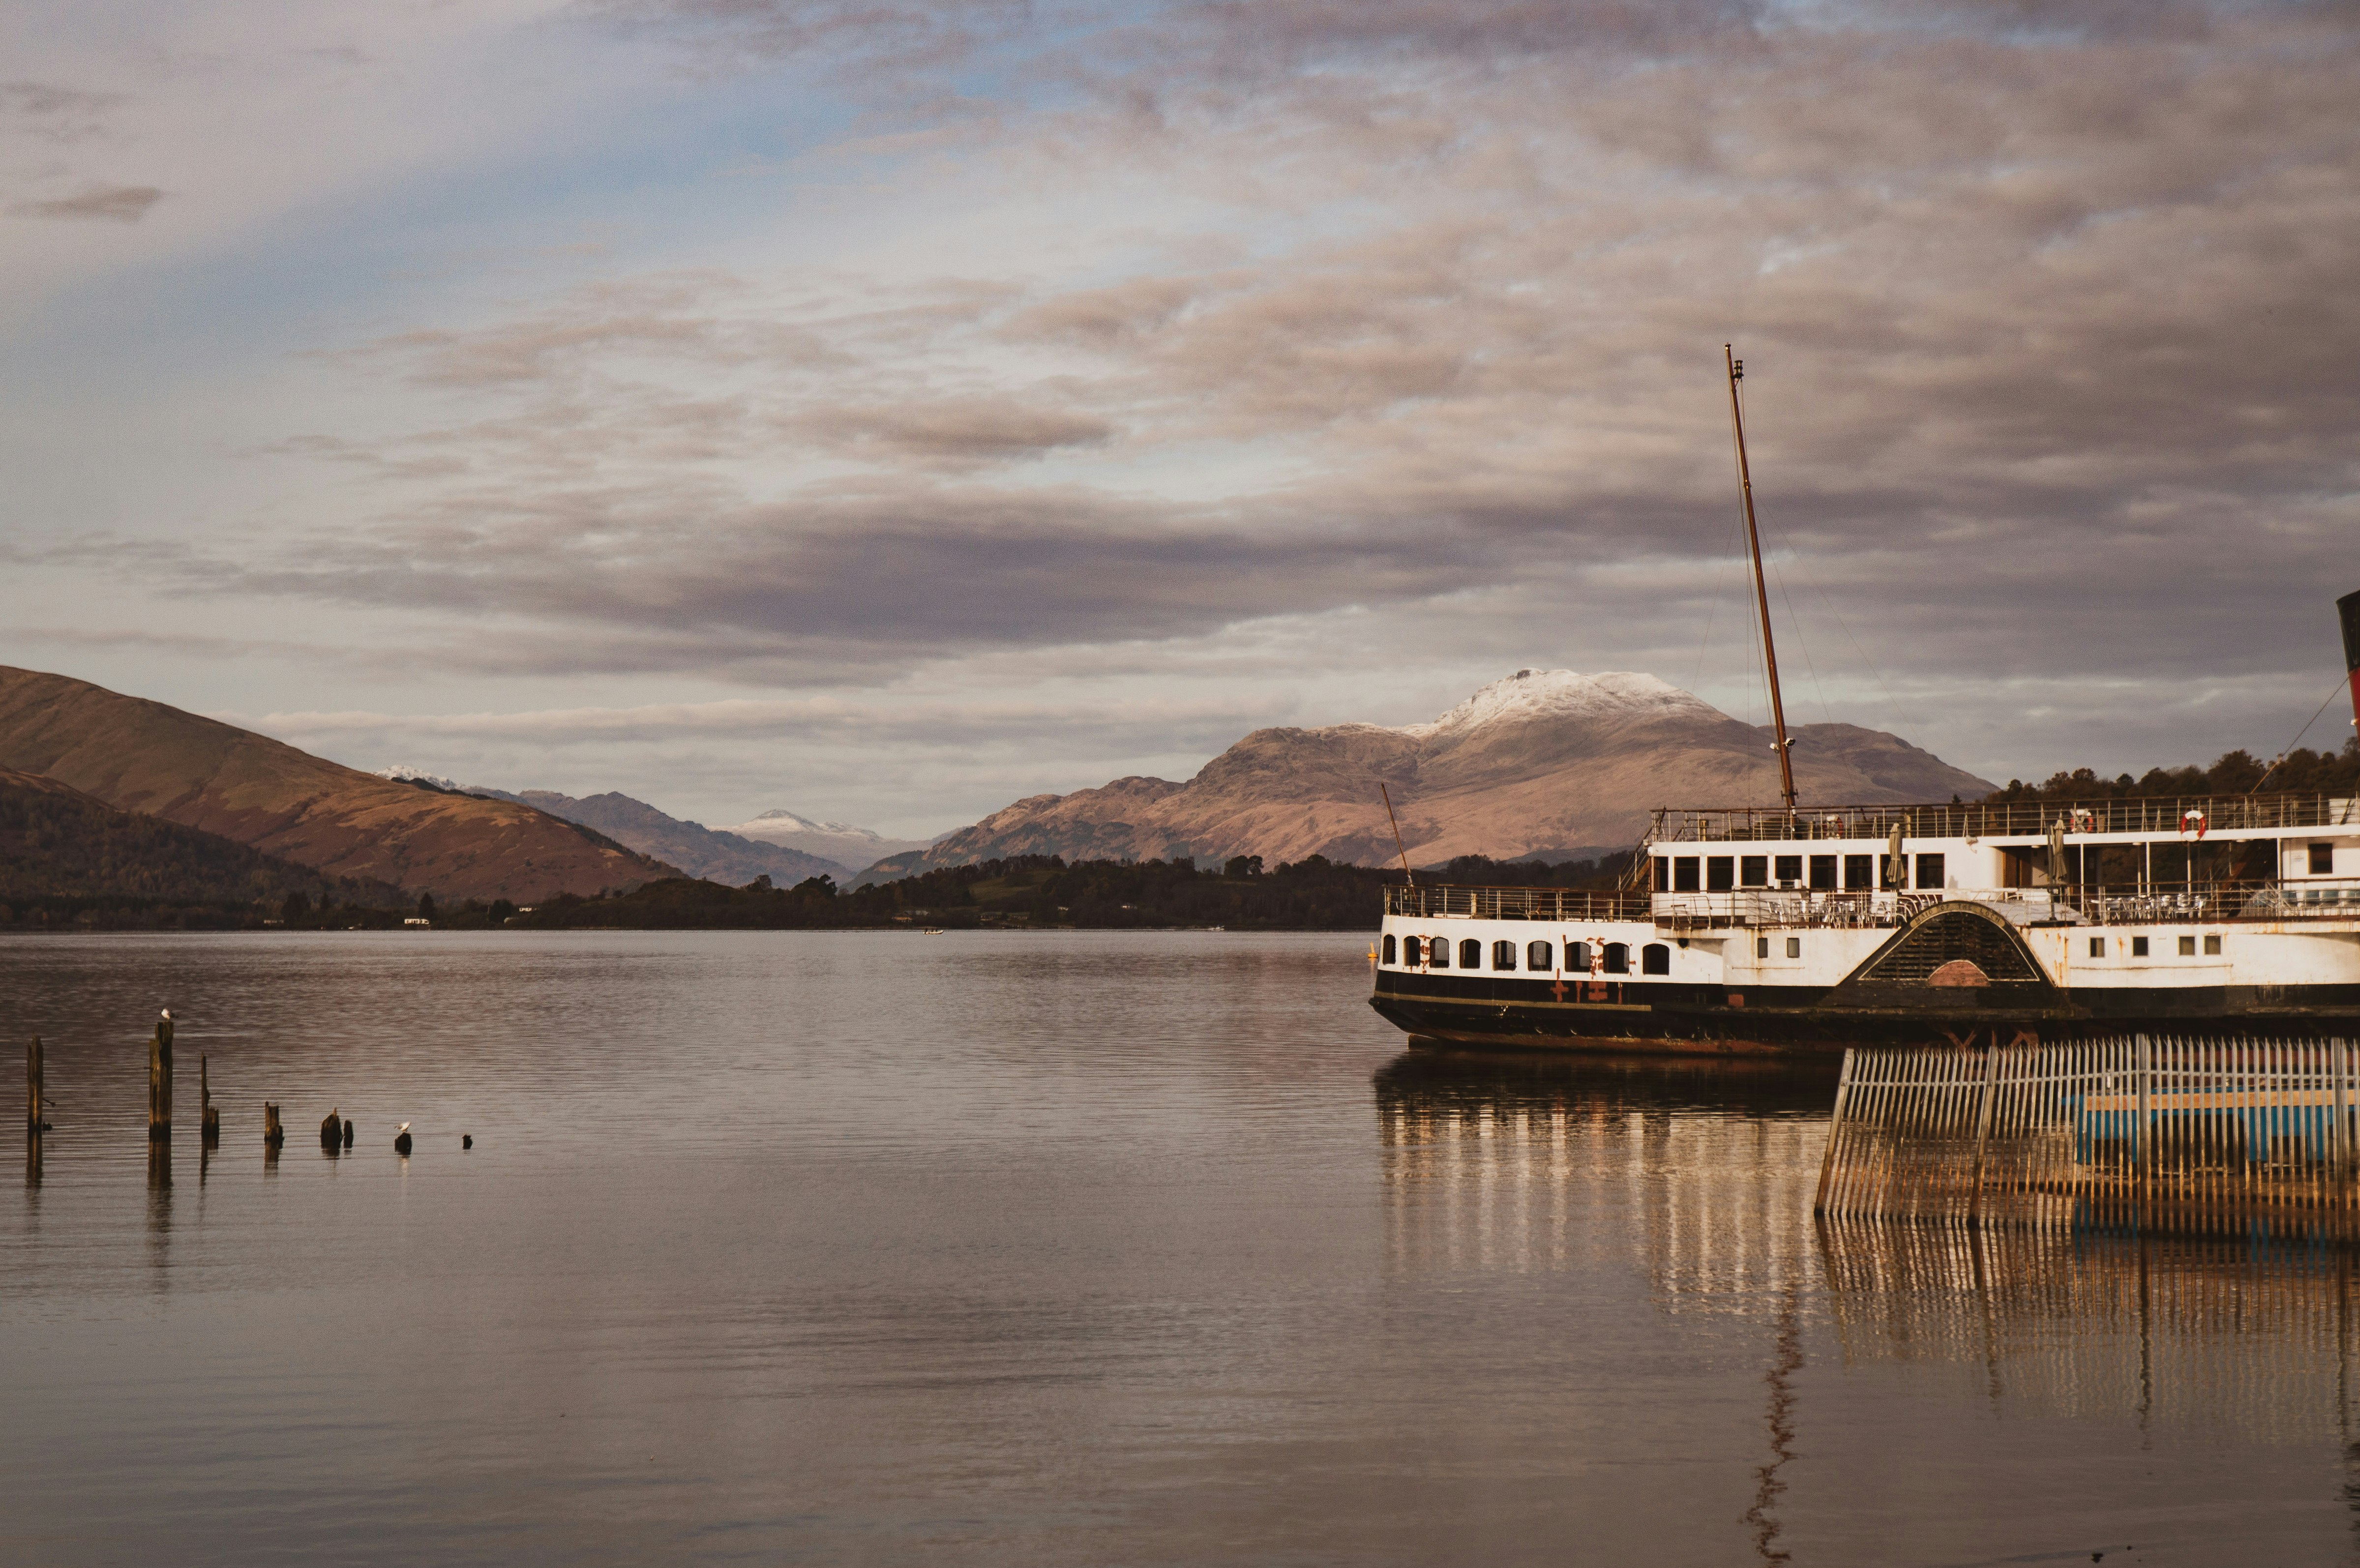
(1859, 873)
(1470, 955)
(1662, 874)
(1539, 954)
(1684, 874)
(1719, 874)
(1790, 870)
(1761, 947)
(1503, 955)
(1655, 959)
(1577, 957)
(2212, 947)
(1389, 948)
(1823, 872)
(1438, 953)
(2188, 947)
(1618, 958)
(2322, 860)
(2139, 947)
(2097, 947)
(1930, 871)
(1794, 947)
(1754, 871)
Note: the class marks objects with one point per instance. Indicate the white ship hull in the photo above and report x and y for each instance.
(1799, 932)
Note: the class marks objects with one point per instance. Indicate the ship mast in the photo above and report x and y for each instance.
(1761, 589)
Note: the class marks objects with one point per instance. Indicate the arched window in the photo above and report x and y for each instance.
(1470, 953)
(1618, 958)
(1655, 959)
(1438, 952)
(1389, 948)
(1577, 957)
(1503, 955)
(1540, 956)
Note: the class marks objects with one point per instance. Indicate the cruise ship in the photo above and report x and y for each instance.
(1790, 929)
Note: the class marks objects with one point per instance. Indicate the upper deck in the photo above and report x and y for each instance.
(2126, 820)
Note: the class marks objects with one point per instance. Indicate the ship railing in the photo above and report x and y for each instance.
(1824, 911)
(2193, 819)
(2225, 899)
(1440, 900)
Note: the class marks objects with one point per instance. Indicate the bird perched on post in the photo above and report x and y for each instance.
(402, 1139)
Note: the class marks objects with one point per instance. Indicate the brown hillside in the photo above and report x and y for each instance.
(1545, 763)
(139, 756)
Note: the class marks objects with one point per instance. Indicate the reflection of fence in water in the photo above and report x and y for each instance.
(2178, 1332)
(2200, 1134)
(1503, 1169)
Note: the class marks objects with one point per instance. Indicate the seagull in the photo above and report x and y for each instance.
(402, 1139)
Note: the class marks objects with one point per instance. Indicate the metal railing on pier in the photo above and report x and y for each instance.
(2174, 1132)
(2194, 817)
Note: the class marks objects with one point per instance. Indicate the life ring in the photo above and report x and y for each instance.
(2085, 822)
(2192, 821)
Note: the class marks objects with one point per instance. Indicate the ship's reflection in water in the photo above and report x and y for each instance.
(2210, 1383)
(1712, 1163)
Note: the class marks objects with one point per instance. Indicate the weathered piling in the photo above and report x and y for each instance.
(348, 1132)
(331, 1132)
(35, 1120)
(208, 1114)
(273, 1135)
(159, 1080)
(2168, 1132)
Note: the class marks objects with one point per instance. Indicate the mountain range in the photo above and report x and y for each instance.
(146, 757)
(715, 855)
(1543, 764)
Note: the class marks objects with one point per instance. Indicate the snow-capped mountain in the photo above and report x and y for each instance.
(1548, 763)
(840, 841)
(404, 772)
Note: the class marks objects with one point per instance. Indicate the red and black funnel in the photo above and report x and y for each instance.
(2348, 607)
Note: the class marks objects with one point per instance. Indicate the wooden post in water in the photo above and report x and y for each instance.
(1983, 1131)
(273, 1135)
(1835, 1131)
(33, 1118)
(208, 1118)
(159, 1080)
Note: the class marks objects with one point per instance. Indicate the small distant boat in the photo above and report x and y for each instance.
(934, 930)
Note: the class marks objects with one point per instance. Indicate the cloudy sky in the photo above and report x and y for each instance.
(886, 409)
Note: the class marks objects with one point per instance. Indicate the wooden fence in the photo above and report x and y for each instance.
(2163, 1131)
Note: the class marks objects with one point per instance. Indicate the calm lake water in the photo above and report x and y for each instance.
(1054, 1248)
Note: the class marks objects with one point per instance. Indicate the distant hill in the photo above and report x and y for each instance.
(1544, 764)
(712, 854)
(145, 756)
(841, 841)
(58, 843)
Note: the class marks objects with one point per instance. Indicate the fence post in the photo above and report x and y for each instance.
(1983, 1131)
(2142, 1070)
(1835, 1130)
(2338, 1145)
